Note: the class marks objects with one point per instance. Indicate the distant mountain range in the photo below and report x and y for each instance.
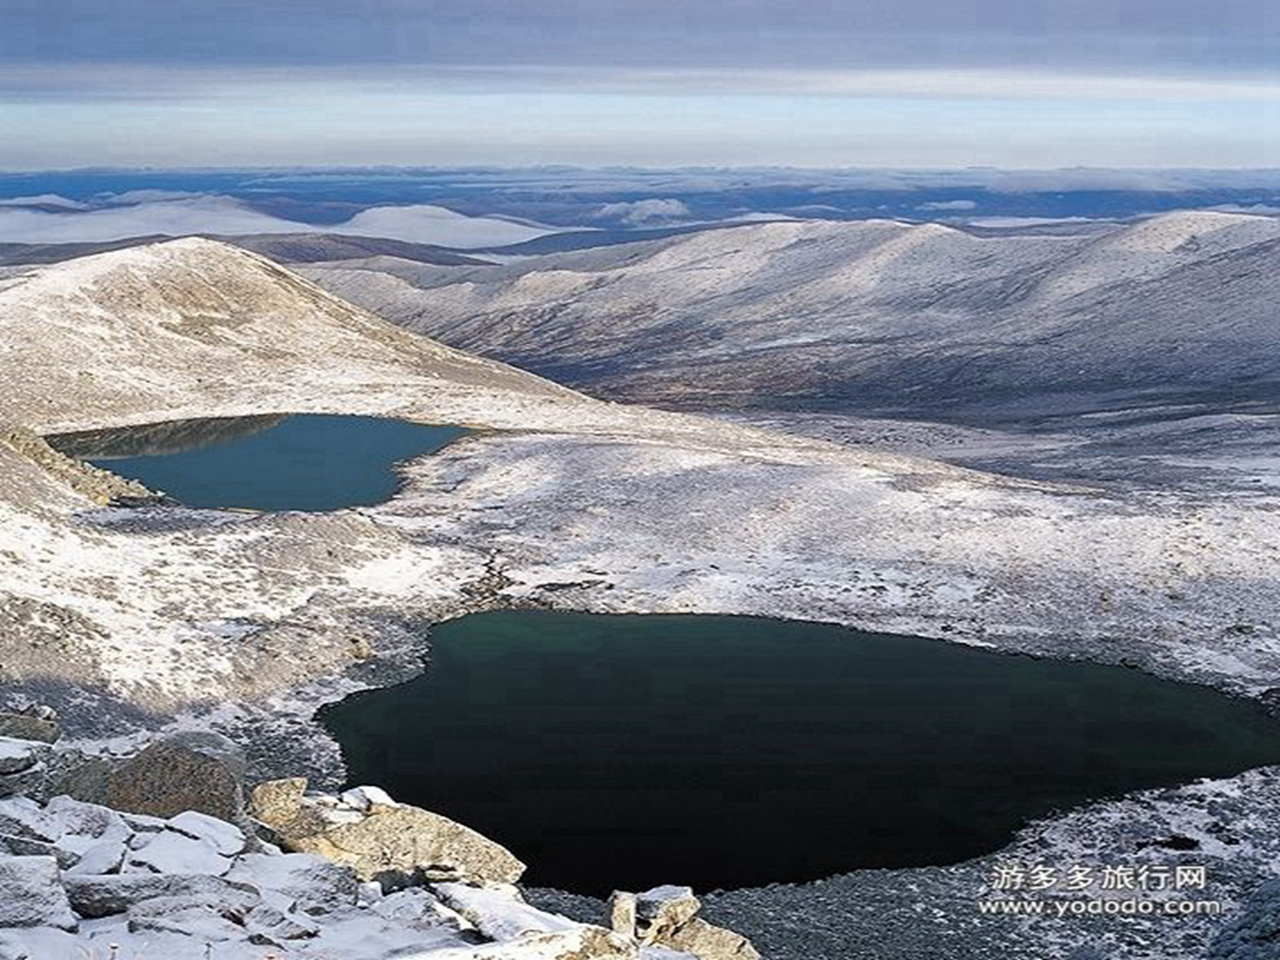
(284, 248)
(874, 315)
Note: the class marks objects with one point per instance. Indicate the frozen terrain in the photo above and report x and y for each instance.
(132, 618)
(882, 317)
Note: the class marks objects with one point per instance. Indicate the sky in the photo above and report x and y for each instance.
(813, 83)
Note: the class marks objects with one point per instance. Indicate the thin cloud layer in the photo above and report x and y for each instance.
(1227, 35)
(214, 215)
(927, 83)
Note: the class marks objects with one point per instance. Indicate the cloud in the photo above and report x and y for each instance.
(217, 215)
(423, 223)
(644, 212)
(1227, 35)
(949, 205)
(44, 201)
(198, 84)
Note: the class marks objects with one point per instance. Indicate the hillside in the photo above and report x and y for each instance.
(135, 619)
(877, 316)
(558, 500)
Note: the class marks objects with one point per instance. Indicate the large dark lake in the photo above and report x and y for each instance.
(299, 462)
(624, 751)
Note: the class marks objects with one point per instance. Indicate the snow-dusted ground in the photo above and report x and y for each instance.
(877, 315)
(132, 617)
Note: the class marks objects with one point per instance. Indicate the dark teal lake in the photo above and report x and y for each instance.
(624, 751)
(300, 462)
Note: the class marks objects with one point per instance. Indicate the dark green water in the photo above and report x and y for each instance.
(301, 462)
(624, 751)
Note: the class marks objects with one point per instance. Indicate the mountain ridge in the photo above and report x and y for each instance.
(856, 315)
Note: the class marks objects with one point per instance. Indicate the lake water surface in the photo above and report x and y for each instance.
(300, 462)
(624, 751)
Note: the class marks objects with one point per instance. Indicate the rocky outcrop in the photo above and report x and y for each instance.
(190, 886)
(22, 764)
(30, 895)
(101, 486)
(196, 771)
(175, 868)
(378, 838)
(666, 918)
(35, 723)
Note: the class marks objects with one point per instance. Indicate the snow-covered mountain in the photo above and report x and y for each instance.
(133, 619)
(873, 315)
(646, 510)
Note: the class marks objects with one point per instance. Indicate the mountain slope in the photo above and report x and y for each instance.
(875, 315)
(135, 616)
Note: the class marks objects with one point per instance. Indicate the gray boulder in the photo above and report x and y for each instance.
(172, 852)
(18, 756)
(196, 771)
(26, 847)
(83, 825)
(102, 896)
(22, 726)
(32, 896)
(220, 916)
(314, 885)
(106, 856)
(24, 817)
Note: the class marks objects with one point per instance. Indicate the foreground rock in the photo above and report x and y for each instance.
(38, 722)
(187, 771)
(193, 887)
(380, 839)
(666, 918)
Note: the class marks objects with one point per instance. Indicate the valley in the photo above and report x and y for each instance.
(137, 619)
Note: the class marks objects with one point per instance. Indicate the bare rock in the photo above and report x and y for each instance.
(19, 755)
(312, 883)
(663, 910)
(665, 919)
(187, 771)
(406, 842)
(708, 942)
(498, 911)
(395, 843)
(26, 847)
(620, 913)
(32, 896)
(104, 896)
(23, 726)
(277, 802)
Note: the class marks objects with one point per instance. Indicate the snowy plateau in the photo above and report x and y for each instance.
(136, 621)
